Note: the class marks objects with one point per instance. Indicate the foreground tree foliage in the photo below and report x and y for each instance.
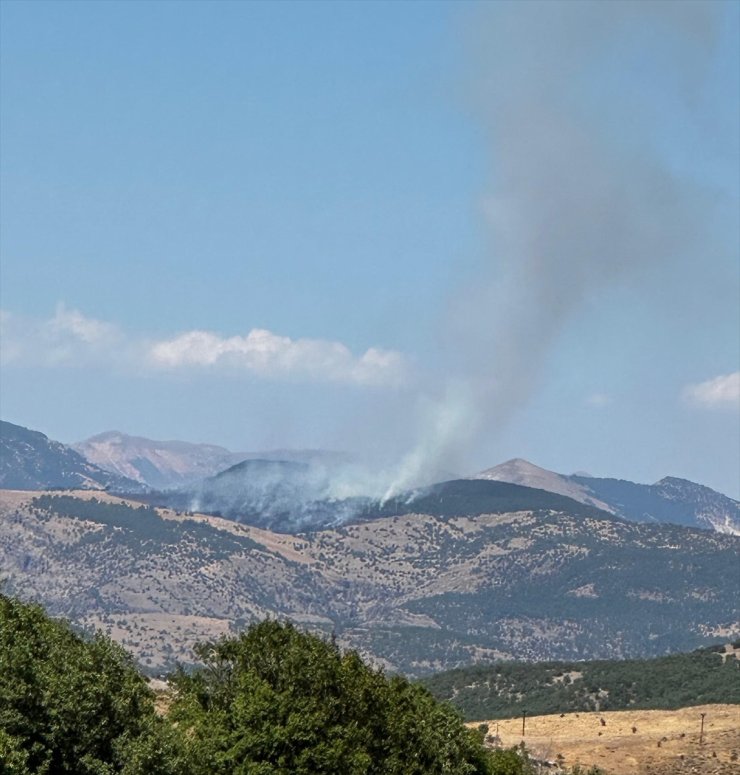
(273, 701)
(276, 700)
(69, 705)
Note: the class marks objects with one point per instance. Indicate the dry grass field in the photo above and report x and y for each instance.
(640, 742)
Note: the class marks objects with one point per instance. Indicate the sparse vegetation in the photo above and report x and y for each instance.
(419, 593)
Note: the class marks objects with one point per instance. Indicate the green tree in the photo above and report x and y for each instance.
(276, 701)
(70, 705)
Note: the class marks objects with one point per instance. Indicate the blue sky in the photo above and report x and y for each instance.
(442, 232)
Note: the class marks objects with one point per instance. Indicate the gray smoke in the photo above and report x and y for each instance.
(580, 195)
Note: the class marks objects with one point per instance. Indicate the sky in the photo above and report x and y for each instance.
(435, 235)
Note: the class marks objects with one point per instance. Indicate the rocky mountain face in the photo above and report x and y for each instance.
(432, 586)
(158, 464)
(29, 460)
(173, 464)
(518, 471)
(669, 500)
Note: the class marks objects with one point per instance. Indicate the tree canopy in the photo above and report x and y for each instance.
(73, 705)
(272, 701)
(277, 700)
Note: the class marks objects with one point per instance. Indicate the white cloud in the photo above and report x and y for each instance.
(267, 354)
(67, 338)
(70, 338)
(72, 324)
(719, 392)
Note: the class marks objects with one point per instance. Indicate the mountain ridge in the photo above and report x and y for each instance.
(671, 499)
(295, 489)
(31, 460)
(174, 463)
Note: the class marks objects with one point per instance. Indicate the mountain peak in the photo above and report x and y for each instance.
(516, 466)
(520, 471)
(154, 463)
(676, 481)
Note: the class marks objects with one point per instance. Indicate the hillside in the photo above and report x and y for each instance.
(519, 471)
(158, 464)
(291, 497)
(506, 689)
(416, 592)
(29, 460)
(281, 495)
(670, 500)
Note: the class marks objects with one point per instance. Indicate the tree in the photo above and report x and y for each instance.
(70, 705)
(273, 701)
(277, 701)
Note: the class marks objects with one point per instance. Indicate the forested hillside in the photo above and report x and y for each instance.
(709, 675)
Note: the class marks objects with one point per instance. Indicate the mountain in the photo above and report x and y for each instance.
(415, 591)
(470, 497)
(29, 460)
(159, 464)
(518, 471)
(669, 500)
(291, 497)
(281, 495)
(169, 464)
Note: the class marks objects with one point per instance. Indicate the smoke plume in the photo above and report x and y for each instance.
(581, 194)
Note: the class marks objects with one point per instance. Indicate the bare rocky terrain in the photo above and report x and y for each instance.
(415, 592)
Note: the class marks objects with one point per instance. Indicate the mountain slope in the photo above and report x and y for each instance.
(669, 500)
(295, 497)
(155, 463)
(471, 497)
(29, 460)
(171, 464)
(518, 471)
(415, 591)
(506, 689)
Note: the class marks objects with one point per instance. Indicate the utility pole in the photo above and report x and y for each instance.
(701, 733)
(524, 719)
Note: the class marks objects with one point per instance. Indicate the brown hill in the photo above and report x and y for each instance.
(416, 592)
